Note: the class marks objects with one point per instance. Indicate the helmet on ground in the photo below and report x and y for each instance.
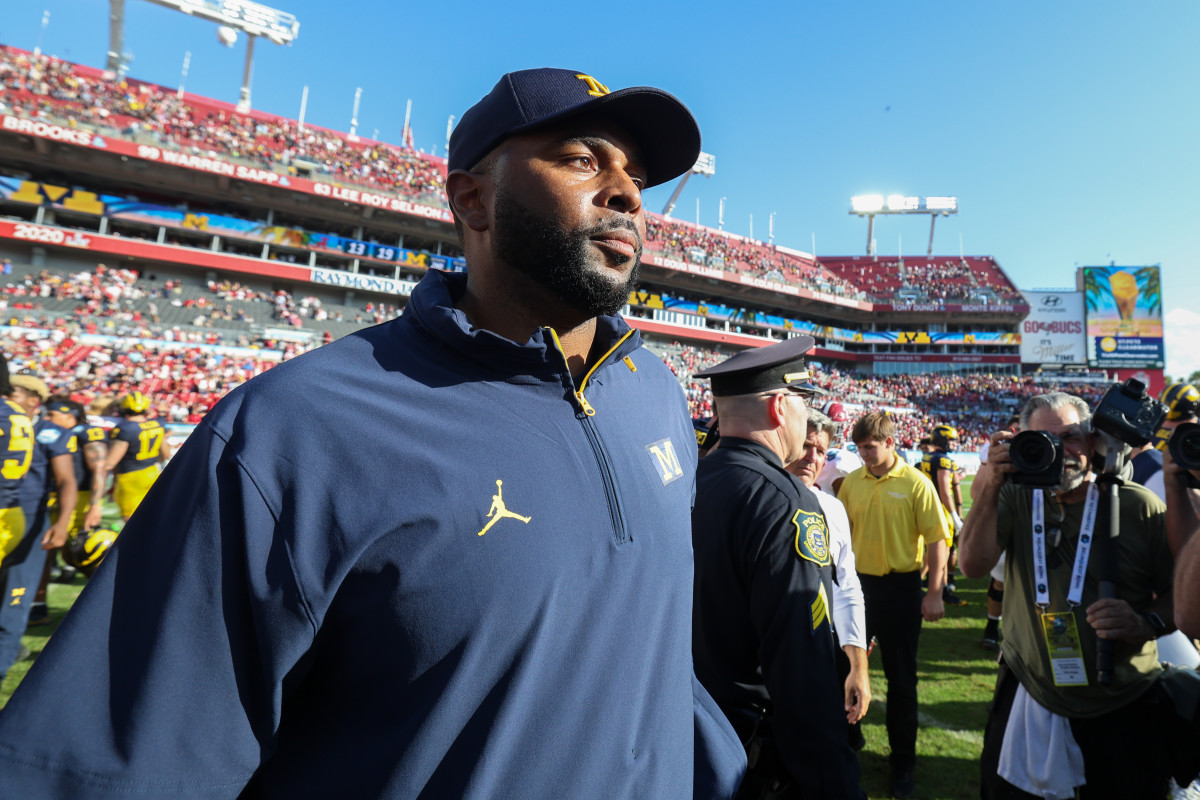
(84, 551)
(1182, 401)
(943, 436)
(134, 403)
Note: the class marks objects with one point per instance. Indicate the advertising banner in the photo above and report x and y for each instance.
(1153, 379)
(1124, 317)
(216, 166)
(1052, 333)
(53, 196)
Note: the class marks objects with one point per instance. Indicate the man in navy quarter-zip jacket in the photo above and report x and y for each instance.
(447, 556)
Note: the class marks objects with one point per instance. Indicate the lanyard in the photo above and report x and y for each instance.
(1082, 551)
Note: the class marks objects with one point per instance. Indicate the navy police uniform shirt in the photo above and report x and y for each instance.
(761, 627)
(421, 561)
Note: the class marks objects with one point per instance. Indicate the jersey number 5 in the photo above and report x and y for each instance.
(20, 440)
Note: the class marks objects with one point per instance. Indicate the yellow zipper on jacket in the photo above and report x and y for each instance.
(583, 403)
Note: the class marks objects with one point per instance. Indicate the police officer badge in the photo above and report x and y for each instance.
(812, 537)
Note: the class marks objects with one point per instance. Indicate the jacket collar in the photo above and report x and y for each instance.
(431, 307)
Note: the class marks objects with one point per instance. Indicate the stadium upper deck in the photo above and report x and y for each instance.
(369, 215)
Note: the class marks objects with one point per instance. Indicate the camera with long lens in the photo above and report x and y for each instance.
(1037, 457)
(1184, 445)
(1126, 416)
(1129, 414)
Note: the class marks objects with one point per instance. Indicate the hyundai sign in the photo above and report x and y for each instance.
(1053, 333)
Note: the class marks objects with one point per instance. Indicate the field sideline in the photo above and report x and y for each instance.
(957, 678)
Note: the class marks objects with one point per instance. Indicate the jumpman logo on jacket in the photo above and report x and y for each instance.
(498, 511)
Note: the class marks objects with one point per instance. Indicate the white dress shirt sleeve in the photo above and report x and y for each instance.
(849, 608)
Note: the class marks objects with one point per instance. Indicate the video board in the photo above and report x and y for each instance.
(1123, 310)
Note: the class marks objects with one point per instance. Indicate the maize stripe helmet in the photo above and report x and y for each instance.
(84, 551)
(134, 403)
(1182, 401)
(944, 436)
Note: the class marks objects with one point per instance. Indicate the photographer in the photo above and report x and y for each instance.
(1053, 725)
(1182, 494)
(1183, 521)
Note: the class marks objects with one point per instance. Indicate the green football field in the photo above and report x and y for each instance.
(956, 675)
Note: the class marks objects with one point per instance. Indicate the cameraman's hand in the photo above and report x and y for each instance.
(999, 464)
(1115, 619)
(1175, 474)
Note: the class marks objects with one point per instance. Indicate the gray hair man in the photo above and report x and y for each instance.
(1049, 700)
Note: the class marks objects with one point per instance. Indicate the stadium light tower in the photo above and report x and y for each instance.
(868, 205)
(705, 165)
(250, 18)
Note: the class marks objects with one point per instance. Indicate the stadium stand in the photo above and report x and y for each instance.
(145, 323)
(926, 279)
(80, 96)
(49, 88)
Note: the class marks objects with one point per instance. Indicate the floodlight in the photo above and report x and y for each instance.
(866, 204)
(253, 19)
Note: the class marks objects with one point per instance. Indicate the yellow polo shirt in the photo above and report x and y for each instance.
(891, 518)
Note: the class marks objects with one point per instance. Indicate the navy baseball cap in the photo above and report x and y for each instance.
(663, 129)
(763, 369)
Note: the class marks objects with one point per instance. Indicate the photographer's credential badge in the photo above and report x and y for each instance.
(1059, 627)
(1062, 644)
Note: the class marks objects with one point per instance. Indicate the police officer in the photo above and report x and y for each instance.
(761, 629)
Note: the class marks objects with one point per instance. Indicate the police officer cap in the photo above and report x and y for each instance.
(763, 369)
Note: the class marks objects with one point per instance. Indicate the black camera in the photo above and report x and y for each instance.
(1127, 413)
(1038, 459)
(1184, 445)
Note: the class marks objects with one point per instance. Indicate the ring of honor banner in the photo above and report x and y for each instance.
(1124, 317)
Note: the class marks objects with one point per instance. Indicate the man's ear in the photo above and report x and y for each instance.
(775, 410)
(466, 192)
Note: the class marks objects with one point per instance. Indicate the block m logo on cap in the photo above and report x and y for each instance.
(595, 87)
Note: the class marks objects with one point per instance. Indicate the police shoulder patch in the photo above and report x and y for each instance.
(812, 537)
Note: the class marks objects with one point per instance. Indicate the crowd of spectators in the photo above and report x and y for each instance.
(183, 383)
(685, 361)
(696, 244)
(120, 303)
(55, 90)
(45, 87)
(961, 280)
(975, 404)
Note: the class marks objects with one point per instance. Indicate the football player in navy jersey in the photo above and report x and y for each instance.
(137, 446)
(937, 465)
(444, 556)
(16, 450)
(91, 450)
(51, 473)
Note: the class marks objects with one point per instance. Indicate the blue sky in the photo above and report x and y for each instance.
(1067, 130)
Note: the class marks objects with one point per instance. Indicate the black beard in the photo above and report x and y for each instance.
(558, 259)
